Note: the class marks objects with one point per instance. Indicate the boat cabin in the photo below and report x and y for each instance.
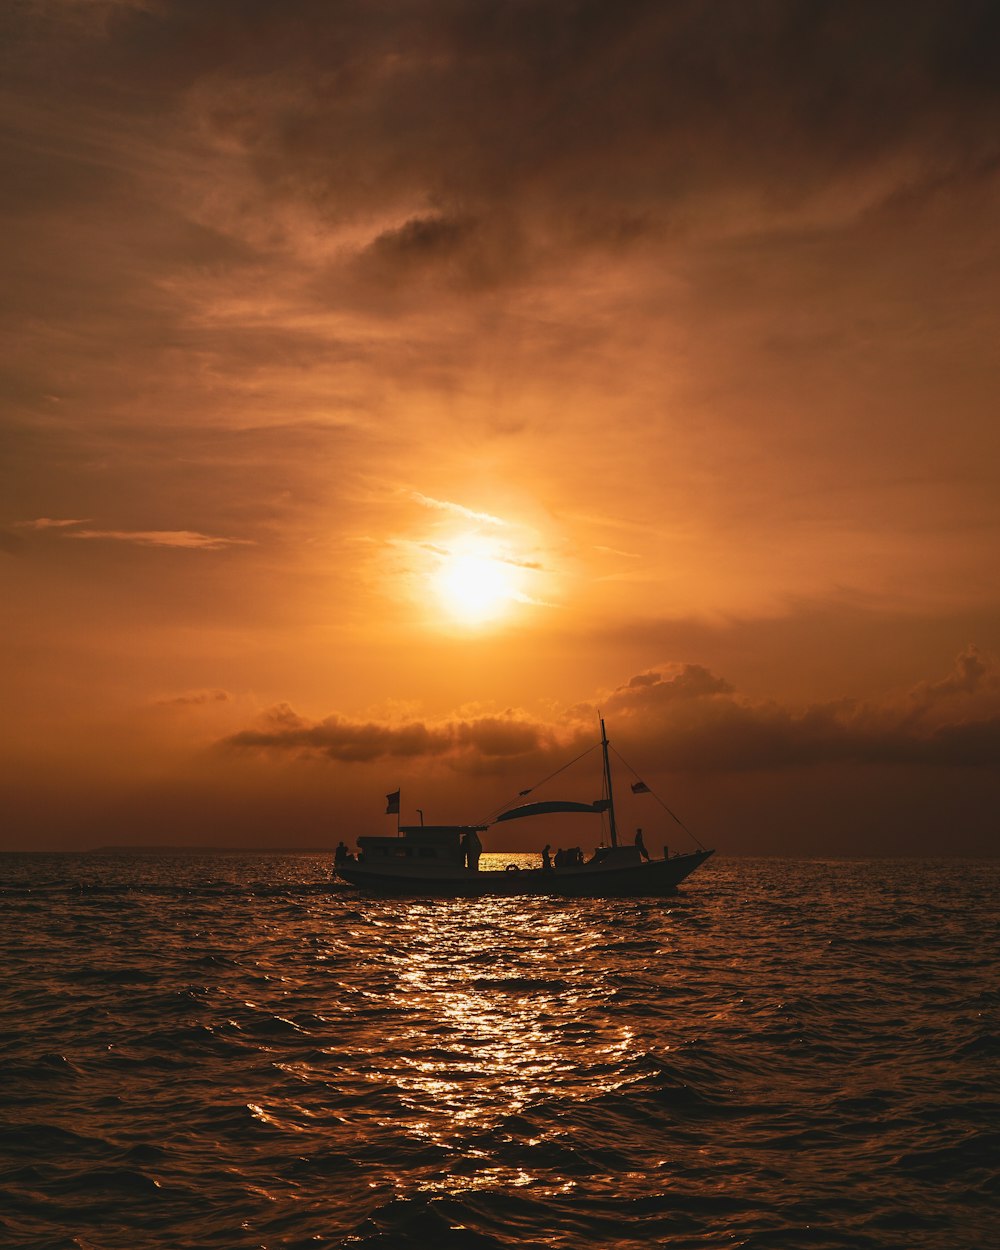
(440, 843)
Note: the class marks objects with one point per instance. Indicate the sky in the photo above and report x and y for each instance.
(391, 387)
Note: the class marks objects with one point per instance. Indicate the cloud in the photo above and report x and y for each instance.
(496, 136)
(186, 539)
(162, 538)
(337, 738)
(703, 725)
(690, 717)
(233, 228)
(972, 673)
(194, 699)
(496, 556)
(514, 562)
(50, 523)
(432, 246)
(686, 681)
(615, 551)
(489, 142)
(445, 505)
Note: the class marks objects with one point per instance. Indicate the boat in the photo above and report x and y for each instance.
(443, 859)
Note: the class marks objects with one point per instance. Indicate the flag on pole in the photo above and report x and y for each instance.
(392, 803)
(640, 787)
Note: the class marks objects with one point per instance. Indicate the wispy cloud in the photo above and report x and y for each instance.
(536, 565)
(615, 551)
(194, 698)
(445, 505)
(187, 539)
(496, 557)
(51, 523)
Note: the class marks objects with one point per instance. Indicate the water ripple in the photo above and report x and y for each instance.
(228, 1051)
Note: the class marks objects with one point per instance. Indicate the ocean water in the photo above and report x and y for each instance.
(221, 1050)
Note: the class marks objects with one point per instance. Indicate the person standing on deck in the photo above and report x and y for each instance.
(473, 849)
(546, 857)
(640, 845)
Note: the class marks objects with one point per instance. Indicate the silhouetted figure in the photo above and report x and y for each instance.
(546, 857)
(560, 858)
(577, 855)
(473, 849)
(341, 855)
(641, 845)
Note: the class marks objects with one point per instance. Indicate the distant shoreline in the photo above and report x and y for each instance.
(169, 848)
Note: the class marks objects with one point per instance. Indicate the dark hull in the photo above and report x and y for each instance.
(657, 879)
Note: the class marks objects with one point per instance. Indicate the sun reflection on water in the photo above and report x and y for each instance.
(506, 1015)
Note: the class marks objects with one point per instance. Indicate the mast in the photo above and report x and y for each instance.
(607, 782)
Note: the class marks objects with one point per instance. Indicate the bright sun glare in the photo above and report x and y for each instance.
(475, 585)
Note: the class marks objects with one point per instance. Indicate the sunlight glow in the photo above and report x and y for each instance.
(475, 583)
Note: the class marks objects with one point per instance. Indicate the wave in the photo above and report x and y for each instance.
(242, 1056)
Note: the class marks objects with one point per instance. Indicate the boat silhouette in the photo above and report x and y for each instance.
(443, 859)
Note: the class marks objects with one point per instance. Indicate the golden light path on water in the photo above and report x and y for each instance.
(508, 1011)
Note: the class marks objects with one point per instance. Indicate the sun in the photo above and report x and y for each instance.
(475, 584)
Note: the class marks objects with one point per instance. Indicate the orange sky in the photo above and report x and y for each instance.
(389, 386)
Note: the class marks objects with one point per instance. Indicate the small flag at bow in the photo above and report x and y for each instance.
(640, 787)
(392, 803)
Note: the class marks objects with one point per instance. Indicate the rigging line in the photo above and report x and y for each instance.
(521, 794)
(673, 815)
